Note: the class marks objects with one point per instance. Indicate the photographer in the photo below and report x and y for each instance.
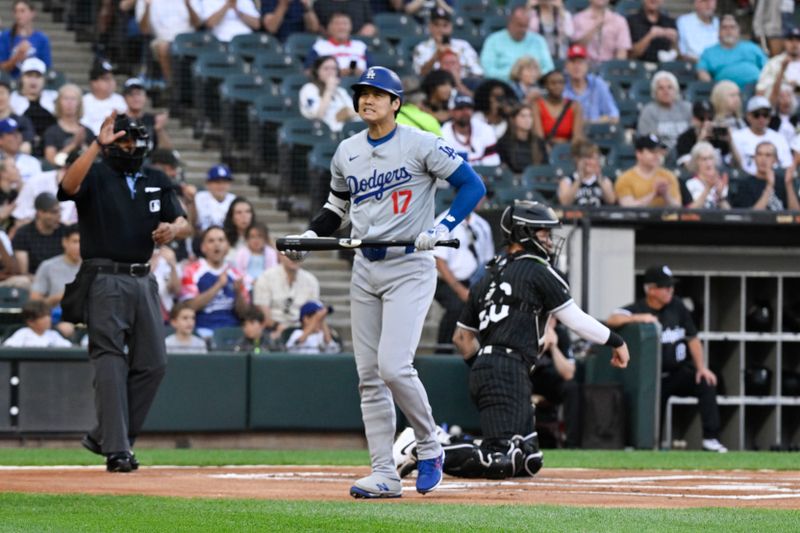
(705, 128)
(428, 54)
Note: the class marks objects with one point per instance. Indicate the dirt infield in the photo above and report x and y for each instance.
(581, 487)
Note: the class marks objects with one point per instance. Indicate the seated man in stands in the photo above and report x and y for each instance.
(41, 239)
(732, 59)
(37, 332)
(314, 335)
(350, 54)
(280, 291)
(648, 184)
(553, 379)
(428, 53)
(35, 102)
(684, 372)
(763, 190)
(164, 20)
(25, 125)
(102, 98)
(589, 90)
(212, 204)
(698, 30)
(653, 33)
(213, 288)
(282, 18)
(746, 139)
(54, 274)
(156, 123)
(226, 18)
(10, 148)
(473, 139)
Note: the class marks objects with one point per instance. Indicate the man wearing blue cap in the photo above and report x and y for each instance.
(213, 203)
(10, 143)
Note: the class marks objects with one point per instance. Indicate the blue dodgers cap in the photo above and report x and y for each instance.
(219, 172)
(311, 307)
(8, 125)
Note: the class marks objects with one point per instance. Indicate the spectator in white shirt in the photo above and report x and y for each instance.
(37, 332)
(323, 98)
(698, 30)
(350, 54)
(783, 68)
(472, 139)
(314, 336)
(212, 204)
(227, 18)
(427, 54)
(101, 99)
(33, 101)
(747, 139)
(164, 19)
(10, 143)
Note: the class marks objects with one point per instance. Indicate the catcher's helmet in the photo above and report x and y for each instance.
(381, 78)
(522, 219)
(123, 160)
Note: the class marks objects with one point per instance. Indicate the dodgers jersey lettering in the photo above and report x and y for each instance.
(392, 185)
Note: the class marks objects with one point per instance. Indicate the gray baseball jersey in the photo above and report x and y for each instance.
(392, 185)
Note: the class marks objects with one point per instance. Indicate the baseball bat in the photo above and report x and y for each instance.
(332, 243)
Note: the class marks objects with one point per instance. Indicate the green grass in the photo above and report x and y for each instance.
(553, 458)
(44, 513)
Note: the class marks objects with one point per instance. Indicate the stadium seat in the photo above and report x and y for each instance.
(628, 7)
(628, 113)
(444, 199)
(541, 173)
(622, 157)
(292, 83)
(700, 90)
(275, 67)
(264, 117)
(376, 45)
(351, 128)
(184, 50)
(208, 72)
(683, 70)
(472, 36)
(477, 10)
(249, 46)
(640, 92)
(394, 26)
(573, 6)
(237, 93)
(11, 301)
(611, 172)
(299, 44)
(54, 80)
(606, 136)
(493, 23)
(747, 92)
(296, 138)
(225, 339)
(398, 63)
(560, 154)
(504, 194)
(319, 173)
(408, 43)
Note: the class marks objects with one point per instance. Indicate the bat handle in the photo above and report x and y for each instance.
(450, 243)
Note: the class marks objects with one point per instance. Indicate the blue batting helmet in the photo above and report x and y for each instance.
(381, 78)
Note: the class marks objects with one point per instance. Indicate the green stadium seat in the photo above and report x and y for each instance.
(249, 46)
(54, 80)
(683, 70)
(629, 113)
(224, 339)
(184, 50)
(477, 10)
(622, 72)
(237, 93)
(299, 44)
(622, 157)
(292, 83)
(573, 6)
(319, 173)
(606, 136)
(701, 90)
(351, 128)
(394, 26)
(264, 117)
(541, 174)
(560, 154)
(444, 199)
(628, 7)
(640, 92)
(376, 44)
(11, 301)
(493, 23)
(296, 138)
(398, 63)
(208, 72)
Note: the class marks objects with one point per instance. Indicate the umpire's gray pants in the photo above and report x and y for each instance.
(124, 311)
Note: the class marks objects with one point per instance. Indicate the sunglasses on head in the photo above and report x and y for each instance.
(761, 114)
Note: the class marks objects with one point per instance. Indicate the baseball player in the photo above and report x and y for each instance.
(384, 178)
(501, 331)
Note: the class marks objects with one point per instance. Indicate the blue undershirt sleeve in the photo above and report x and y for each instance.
(470, 189)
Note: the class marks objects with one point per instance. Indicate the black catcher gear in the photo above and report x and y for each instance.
(522, 219)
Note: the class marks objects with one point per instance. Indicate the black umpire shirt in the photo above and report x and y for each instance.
(510, 308)
(116, 223)
(677, 327)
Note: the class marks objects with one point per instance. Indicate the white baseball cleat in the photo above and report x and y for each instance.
(713, 445)
(377, 486)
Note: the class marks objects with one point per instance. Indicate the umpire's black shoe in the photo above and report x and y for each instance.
(119, 462)
(92, 445)
(134, 462)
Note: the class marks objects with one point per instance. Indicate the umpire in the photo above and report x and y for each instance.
(123, 212)
(501, 331)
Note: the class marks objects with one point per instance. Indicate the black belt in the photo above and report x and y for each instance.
(138, 270)
(491, 349)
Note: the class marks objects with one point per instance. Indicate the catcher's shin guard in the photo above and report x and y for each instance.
(471, 461)
(531, 456)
